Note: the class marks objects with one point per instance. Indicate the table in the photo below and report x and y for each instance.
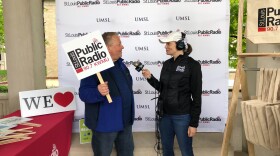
(53, 138)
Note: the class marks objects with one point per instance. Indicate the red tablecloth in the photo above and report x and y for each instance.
(55, 132)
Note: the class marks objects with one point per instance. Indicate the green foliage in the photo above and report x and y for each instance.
(232, 57)
(2, 41)
(3, 89)
(3, 75)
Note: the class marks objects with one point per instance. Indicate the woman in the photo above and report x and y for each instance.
(180, 88)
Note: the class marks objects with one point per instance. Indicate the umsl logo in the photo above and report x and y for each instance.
(139, 118)
(75, 35)
(141, 19)
(208, 32)
(267, 19)
(137, 92)
(126, 34)
(150, 119)
(143, 106)
(140, 79)
(209, 62)
(156, 63)
(203, 1)
(182, 18)
(128, 63)
(209, 119)
(103, 20)
(144, 48)
(151, 92)
(208, 92)
(82, 3)
(157, 33)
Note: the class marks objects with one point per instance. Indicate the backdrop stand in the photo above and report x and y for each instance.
(240, 83)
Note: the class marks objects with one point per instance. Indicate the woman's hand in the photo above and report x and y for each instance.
(103, 88)
(146, 73)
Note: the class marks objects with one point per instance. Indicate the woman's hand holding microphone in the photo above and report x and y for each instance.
(140, 67)
(146, 73)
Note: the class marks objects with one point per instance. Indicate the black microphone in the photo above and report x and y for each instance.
(138, 66)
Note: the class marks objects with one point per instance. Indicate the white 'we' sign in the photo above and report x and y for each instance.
(46, 101)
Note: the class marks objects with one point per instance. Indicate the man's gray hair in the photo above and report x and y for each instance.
(107, 37)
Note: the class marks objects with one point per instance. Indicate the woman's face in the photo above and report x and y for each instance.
(170, 48)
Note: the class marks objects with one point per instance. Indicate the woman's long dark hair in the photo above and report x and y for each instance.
(188, 50)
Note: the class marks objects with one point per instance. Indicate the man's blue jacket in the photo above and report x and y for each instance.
(100, 115)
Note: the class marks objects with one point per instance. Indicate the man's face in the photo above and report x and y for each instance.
(115, 48)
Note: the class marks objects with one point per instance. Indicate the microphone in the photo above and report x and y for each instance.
(138, 65)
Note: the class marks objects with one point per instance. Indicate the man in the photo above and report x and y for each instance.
(110, 122)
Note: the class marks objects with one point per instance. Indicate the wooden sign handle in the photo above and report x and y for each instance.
(102, 82)
(31, 124)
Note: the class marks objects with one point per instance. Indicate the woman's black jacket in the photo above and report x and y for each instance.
(180, 87)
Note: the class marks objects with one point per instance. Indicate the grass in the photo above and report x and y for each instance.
(3, 75)
(3, 78)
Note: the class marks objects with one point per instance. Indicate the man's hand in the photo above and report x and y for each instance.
(103, 88)
(192, 131)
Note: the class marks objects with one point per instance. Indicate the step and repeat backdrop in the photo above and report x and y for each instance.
(140, 23)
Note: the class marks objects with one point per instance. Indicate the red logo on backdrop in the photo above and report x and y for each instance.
(63, 99)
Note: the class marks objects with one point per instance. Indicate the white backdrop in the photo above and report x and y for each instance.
(140, 23)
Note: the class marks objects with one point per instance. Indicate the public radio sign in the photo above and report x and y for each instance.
(268, 19)
(88, 54)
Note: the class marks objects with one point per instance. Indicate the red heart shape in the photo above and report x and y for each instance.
(63, 99)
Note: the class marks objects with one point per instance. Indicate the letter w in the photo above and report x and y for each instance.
(32, 102)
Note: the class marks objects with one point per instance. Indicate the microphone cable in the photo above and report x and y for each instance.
(157, 146)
